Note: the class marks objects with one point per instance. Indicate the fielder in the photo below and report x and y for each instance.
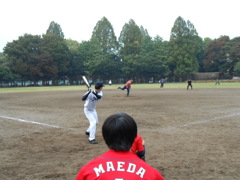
(118, 163)
(162, 81)
(127, 86)
(91, 98)
(189, 84)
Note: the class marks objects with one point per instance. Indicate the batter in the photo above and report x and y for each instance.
(91, 98)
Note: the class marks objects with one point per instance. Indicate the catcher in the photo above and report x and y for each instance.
(119, 132)
(138, 147)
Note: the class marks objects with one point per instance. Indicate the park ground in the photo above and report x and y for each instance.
(189, 135)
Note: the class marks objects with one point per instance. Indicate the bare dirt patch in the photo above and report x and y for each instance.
(192, 134)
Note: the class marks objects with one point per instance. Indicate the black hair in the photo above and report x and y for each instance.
(119, 131)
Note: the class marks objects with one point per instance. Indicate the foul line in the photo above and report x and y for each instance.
(202, 121)
(168, 128)
(212, 119)
(34, 122)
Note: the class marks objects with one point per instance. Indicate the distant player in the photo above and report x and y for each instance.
(91, 98)
(127, 86)
(118, 163)
(217, 82)
(162, 81)
(189, 84)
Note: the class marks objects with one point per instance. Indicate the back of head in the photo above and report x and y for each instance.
(119, 131)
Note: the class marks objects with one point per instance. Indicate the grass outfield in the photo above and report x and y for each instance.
(83, 87)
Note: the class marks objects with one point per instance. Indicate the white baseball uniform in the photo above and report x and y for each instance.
(91, 113)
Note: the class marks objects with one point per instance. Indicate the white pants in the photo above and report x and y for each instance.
(93, 120)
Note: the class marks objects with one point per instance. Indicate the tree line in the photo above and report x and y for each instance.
(134, 55)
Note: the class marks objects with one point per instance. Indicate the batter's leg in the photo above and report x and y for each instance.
(91, 114)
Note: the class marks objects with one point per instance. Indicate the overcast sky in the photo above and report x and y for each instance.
(77, 18)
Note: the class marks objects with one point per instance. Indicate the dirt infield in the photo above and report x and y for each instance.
(189, 135)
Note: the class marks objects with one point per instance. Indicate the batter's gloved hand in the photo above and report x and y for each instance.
(90, 89)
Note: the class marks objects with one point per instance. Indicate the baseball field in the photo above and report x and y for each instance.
(189, 134)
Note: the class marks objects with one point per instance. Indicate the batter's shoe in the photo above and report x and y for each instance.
(93, 141)
(87, 133)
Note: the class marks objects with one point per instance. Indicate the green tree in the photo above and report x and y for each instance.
(232, 55)
(75, 69)
(130, 40)
(104, 35)
(91, 55)
(185, 46)
(42, 67)
(5, 72)
(153, 58)
(215, 55)
(20, 52)
(144, 32)
(204, 44)
(55, 28)
(60, 52)
(237, 68)
(28, 59)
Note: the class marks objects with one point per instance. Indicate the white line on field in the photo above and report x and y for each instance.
(202, 121)
(34, 122)
(212, 119)
(168, 128)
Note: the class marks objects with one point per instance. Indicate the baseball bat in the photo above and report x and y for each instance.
(86, 81)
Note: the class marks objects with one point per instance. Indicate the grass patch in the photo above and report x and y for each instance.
(43, 88)
(115, 86)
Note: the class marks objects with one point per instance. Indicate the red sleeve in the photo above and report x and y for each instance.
(139, 144)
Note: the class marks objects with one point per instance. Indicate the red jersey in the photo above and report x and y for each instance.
(114, 165)
(128, 84)
(137, 145)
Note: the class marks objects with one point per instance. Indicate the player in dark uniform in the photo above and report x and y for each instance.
(119, 131)
(189, 84)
